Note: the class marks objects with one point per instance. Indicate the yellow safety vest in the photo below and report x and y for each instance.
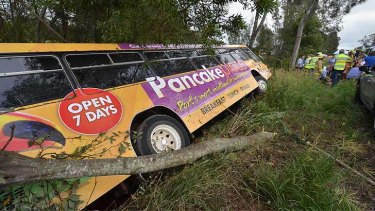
(311, 64)
(341, 60)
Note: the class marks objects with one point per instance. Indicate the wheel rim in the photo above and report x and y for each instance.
(165, 138)
(262, 85)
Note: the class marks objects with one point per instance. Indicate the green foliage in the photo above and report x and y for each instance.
(60, 194)
(280, 174)
(202, 186)
(265, 44)
(368, 40)
(144, 21)
(48, 194)
(308, 182)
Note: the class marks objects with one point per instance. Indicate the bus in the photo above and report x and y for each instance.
(58, 100)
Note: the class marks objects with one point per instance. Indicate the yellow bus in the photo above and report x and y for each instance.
(111, 100)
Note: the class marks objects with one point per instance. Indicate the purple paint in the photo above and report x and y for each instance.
(189, 99)
(131, 46)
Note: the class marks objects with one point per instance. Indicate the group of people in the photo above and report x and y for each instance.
(342, 65)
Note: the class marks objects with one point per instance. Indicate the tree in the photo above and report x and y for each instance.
(334, 14)
(311, 7)
(265, 43)
(15, 168)
(144, 21)
(261, 8)
(368, 41)
(242, 36)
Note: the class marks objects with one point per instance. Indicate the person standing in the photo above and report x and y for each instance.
(300, 63)
(331, 63)
(311, 64)
(340, 65)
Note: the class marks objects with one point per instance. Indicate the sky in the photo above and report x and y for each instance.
(358, 23)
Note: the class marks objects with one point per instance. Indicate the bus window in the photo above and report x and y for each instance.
(225, 58)
(238, 55)
(191, 53)
(204, 62)
(111, 76)
(175, 54)
(125, 57)
(87, 60)
(221, 51)
(30, 80)
(20, 64)
(157, 55)
(170, 67)
(252, 55)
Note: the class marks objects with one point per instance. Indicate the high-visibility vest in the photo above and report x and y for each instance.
(311, 64)
(341, 60)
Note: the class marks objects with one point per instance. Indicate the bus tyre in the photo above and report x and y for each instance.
(262, 85)
(160, 133)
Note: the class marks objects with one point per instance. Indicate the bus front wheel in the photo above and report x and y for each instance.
(262, 85)
(160, 133)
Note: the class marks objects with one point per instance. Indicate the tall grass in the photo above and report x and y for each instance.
(210, 184)
(308, 182)
(281, 174)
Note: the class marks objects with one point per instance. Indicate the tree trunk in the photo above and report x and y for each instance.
(49, 27)
(256, 19)
(16, 168)
(11, 8)
(256, 29)
(38, 23)
(307, 15)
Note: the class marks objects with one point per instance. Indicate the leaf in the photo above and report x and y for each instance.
(74, 197)
(112, 139)
(122, 149)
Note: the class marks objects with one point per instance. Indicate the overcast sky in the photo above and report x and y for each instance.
(358, 23)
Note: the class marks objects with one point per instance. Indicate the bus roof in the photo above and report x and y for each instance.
(64, 47)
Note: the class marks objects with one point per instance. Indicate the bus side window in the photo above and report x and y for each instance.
(141, 73)
(87, 60)
(204, 62)
(238, 55)
(125, 57)
(176, 54)
(182, 65)
(157, 55)
(140, 70)
(191, 53)
(172, 66)
(225, 58)
(161, 68)
(252, 55)
(111, 76)
(30, 80)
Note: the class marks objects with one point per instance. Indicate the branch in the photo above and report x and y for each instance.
(16, 168)
(12, 127)
(49, 27)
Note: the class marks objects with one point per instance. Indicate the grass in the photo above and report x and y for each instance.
(308, 182)
(283, 174)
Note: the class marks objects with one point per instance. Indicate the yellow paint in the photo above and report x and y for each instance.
(133, 99)
(54, 47)
(196, 119)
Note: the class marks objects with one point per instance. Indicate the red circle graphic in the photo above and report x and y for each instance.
(90, 111)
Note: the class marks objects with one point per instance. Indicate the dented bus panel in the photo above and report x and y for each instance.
(68, 97)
